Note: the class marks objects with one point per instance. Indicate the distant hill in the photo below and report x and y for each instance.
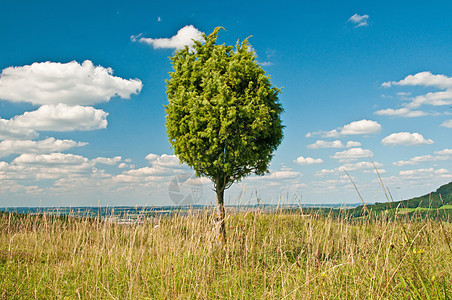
(441, 198)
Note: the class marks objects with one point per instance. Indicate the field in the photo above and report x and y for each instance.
(301, 255)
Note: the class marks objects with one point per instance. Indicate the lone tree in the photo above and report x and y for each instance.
(223, 115)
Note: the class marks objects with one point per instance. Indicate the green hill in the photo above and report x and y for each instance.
(439, 199)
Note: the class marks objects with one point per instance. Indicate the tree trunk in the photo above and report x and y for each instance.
(219, 220)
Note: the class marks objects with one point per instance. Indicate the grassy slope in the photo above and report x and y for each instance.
(433, 204)
(268, 256)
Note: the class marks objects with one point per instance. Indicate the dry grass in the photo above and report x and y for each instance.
(267, 256)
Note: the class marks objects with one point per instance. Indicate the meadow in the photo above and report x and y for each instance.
(278, 255)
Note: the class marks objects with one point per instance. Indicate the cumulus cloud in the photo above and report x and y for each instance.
(9, 132)
(49, 145)
(401, 112)
(405, 139)
(277, 175)
(351, 144)
(425, 173)
(107, 160)
(60, 117)
(362, 127)
(46, 166)
(308, 160)
(66, 174)
(161, 167)
(184, 37)
(425, 79)
(164, 160)
(334, 144)
(432, 98)
(69, 83)
(352, 154)
(444, 152)
(447, 124)
(359, 20)
(363, 166)
(50, 159)
(442, 155)
(415, 160)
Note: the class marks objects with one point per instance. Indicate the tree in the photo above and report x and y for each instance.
(223, 114)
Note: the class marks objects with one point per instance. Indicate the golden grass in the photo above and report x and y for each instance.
(267, 256)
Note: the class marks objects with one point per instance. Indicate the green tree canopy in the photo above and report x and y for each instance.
(223, 116)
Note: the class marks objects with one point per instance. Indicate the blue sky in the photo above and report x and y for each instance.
(82, 90)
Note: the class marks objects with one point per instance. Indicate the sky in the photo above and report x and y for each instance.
(366, 87)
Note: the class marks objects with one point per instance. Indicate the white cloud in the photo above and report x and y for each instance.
(423, 79)
(353, 153)
(50, 159)
(351, 144)
(49, 145)
(362, 127)
(47, 166)
(152, 157)
(277, 175)
(405, 139)
(401, 112)
(69, 83)
(283, 175)
(426, 79)
(359, 20)
(414, 160)
(425, 173)
(62, 164)
(184, 37)
(60, 117)
(107, 160)
(442, 155)
(334, 144)
(324, 144)
(308, 160)
(148, 171)
(162, 166)
(434, 99)
(164, 160)
(65, 175)
(444, 152)
(447, 124)
(9, 132)
(363, 166)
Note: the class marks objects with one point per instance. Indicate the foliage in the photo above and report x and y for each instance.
(223, 115)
